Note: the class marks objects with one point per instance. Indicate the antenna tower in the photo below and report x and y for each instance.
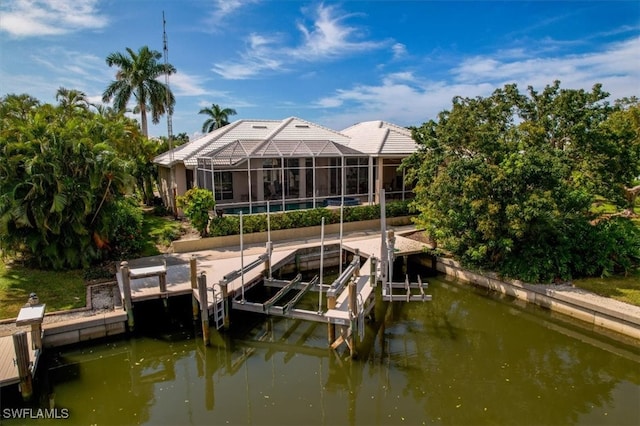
(172, 185)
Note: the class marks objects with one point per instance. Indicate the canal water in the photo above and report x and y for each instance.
(469, 357)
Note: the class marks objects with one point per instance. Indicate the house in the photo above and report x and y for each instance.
(289, 164)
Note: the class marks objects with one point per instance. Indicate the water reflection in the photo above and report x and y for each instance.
(464, 358)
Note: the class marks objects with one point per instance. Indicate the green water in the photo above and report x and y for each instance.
(466, 358)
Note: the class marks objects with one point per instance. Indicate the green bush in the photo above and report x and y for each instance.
(196, 204)
(230, 224)
(226, 225)
(577, 249)
(124, 219)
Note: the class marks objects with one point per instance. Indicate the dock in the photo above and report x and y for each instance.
(8, 366)
(19, 353)
(145, 280)
(218, 282)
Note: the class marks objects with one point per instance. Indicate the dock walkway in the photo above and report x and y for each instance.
(215, 265)
(8, 366)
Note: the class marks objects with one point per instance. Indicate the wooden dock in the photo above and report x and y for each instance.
(8, 367)
(218, 282)
(19, 353)
(145, 283)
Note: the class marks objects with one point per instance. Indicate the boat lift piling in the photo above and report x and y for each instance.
(204, 307)
(194, 285)
(126, 288)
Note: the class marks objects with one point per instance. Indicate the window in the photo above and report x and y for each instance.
(223, 185)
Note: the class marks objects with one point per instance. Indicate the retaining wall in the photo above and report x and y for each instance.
(185, 246)
(598, 311)
(83, 329)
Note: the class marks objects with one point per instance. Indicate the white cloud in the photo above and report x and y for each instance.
(32, 18)
(405, 99)
(328, 37)
(399, 51)
(222, 10)
(183, 84)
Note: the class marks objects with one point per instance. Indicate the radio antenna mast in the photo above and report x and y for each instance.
(172, 185)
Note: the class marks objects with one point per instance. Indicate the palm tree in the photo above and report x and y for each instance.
(138, 76)
(218, 117)
(72, 99)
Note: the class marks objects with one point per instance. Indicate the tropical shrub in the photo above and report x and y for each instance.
(123, 221)
(196, 204)
(506, 182)
(59, 173)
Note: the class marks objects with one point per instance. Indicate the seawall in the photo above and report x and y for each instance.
(599, 312)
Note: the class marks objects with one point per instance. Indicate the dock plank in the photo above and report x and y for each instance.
(8, 368)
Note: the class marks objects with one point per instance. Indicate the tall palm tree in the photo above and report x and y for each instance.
(218, 117)
(72, 99)
(138, 76)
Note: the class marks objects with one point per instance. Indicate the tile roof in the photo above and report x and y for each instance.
(380, 138)
(293, 137)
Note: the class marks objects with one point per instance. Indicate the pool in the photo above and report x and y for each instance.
(348, 201)
(272, 208)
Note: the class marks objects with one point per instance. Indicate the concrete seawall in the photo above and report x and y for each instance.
(600, 312)
(82, 329)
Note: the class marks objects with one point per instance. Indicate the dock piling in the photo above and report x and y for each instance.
(126, 289)
(227, 307)
(21, 346)
(353, 315)
(193, 267)
(204, 304)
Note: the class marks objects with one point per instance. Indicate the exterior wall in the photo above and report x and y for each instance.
(164, 184)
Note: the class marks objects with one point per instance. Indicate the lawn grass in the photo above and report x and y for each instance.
(624, 289)
(64, 290)
(158, 232)
(59, 290)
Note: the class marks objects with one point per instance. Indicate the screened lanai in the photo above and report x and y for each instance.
(246, 175)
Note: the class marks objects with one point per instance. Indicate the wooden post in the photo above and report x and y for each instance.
(204, 306)
(21, 347)
(331, 304)
(373, 262)
(36, 335)
(225, 298)
(391, 241)
(162, 278)
(194, 285)
(267, 265)
(353, 309)
(126, 288)
(356, 255)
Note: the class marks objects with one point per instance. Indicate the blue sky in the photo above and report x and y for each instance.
(333, 63)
